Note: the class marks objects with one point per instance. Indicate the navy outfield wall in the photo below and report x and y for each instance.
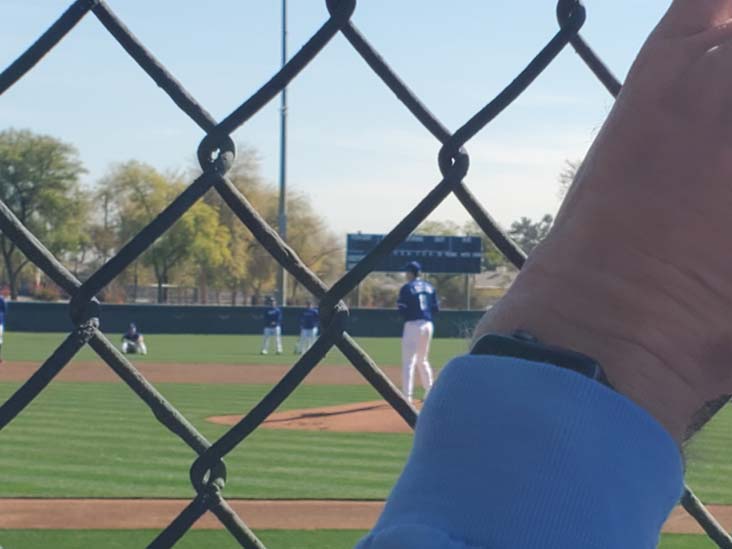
(25, 316)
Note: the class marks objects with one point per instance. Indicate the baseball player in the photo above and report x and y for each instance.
(133, 342)
(417, 303)
(308, 328)
(3, 310)
(272, 326)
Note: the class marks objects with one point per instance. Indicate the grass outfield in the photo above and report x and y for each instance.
(87, 439)
(221, 349)
(684, 542)
(709, 469)
(203, 539)
(195, 539)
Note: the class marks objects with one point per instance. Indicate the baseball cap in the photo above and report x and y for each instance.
(413, 267)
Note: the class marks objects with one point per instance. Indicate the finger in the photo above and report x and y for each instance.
(687, 17)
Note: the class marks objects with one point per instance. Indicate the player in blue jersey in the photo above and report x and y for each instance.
(308, 327)
(133, 342)
(3, 310)
(272, 326)
(417, 304)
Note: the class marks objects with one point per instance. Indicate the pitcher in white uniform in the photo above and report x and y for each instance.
(417, 304)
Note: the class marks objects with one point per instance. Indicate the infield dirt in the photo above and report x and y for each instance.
(129, 514)
(97, 372)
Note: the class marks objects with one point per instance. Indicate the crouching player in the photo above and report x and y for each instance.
(132, 342)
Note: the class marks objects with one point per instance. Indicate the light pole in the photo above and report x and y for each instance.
(282, 217)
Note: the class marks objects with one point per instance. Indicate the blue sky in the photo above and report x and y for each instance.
(353, 148)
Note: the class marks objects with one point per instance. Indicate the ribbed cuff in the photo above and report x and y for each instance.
(515, 454)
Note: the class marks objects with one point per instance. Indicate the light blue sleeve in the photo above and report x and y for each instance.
(510, 454)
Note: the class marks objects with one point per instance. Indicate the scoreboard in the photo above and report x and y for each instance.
(436, 254)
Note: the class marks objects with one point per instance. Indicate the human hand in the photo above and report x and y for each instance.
(634, 272)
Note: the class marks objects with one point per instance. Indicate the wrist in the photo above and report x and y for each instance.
(582, 311)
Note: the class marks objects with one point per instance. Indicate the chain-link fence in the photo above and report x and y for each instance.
(216, 154)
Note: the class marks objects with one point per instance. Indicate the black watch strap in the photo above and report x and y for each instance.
(523, 345)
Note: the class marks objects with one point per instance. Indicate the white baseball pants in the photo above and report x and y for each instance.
(415, 350)
(132, 348)
(307, 338)
(269, 333)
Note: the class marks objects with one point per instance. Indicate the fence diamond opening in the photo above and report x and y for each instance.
(216, 153)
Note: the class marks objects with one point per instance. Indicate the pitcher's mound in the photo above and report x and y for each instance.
(363, 417)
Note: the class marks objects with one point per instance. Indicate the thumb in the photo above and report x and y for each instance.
(687, 17)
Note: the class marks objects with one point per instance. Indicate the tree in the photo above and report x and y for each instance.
(209, 250)
(141, 193)
(492, 257)
(567, 176)
(528, 234)
(378, 290)
(317, 247)
(252, 269)
(39, 182)
(104, 228)
(82, 247)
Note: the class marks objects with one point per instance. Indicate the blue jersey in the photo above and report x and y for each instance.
(2, 309)
(418, 300)
(132, 336)
(310, 318)
(272, 317)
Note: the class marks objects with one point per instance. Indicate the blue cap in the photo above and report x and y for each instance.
(413, 267)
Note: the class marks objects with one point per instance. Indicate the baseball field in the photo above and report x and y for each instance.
(87, 436)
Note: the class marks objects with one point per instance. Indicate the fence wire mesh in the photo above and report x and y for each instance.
(216, 153)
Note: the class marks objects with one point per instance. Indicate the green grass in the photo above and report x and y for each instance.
(678, 542)
(709, 469)
(87, 439)
(195, 539)
(209, 539)
(221, 349)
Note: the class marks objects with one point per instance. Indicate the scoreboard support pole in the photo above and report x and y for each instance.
(467, 291)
